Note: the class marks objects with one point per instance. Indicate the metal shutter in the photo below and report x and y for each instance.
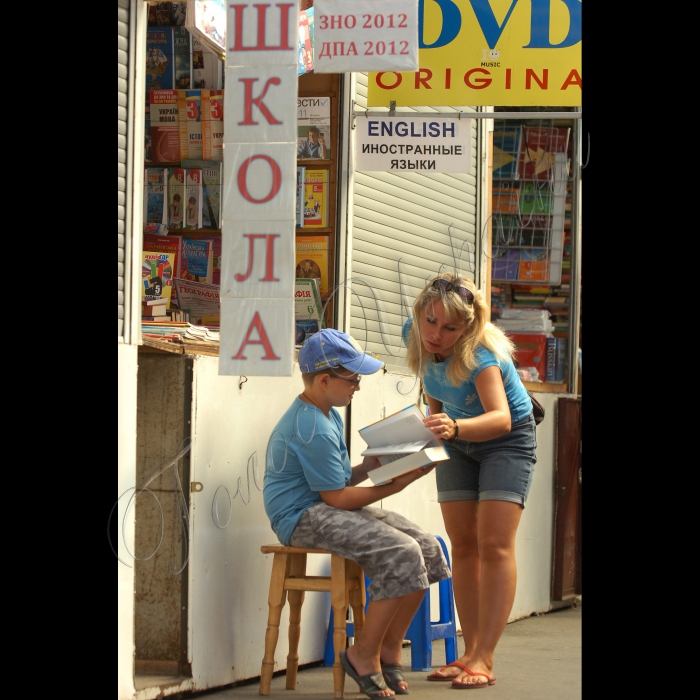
(122, 113)
(400, 239)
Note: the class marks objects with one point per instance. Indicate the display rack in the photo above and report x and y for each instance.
(531, 167)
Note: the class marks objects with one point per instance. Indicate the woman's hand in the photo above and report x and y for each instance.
(441, 425)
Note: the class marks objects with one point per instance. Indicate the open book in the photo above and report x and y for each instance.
(402, 443)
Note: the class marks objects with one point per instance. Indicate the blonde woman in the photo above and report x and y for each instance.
(479, 406)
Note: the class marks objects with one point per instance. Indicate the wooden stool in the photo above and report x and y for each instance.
(345, 584)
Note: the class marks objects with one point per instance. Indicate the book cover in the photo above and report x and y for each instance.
(402, 443)
(550, 367)
(535, 199)
(160, 64)
(193, 199)
(176, 197)
(504, 200)
(505, 263)
(212, 173)
(506, 151)
(162, 14)
(314, 127)
(155, 198)
(307, 309)
(537, 150)
(310, 19)
(505, 229)
(197, 298)
(182, 57)
(157, 275)
(212, 102)
(152, 17)
(215, 259)
(534, 264)
(207, 67)
(530, 351)
(189, 114)
(312, 260)
(165, 137)
(316, 198)
(301, 174)
(196, 263)
(306, 55)
(171, 244)
(561, 360)
(178, 13)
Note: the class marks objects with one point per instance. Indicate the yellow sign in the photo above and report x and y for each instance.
(490, 52)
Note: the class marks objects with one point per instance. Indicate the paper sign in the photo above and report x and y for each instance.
(433, 144)
(365, 35)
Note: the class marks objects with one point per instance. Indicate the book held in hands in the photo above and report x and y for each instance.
(402, 443)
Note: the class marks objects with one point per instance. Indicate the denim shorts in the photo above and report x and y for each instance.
(495, 470)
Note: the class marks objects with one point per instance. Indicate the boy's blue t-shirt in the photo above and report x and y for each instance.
(306, 454)
(463, 401)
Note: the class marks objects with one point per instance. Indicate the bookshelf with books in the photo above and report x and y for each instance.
(184, 133)
(317, 160)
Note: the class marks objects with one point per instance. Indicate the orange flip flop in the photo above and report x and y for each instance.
(446, 678)
(470, 686)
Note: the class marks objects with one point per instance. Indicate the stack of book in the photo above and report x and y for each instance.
(179, 330)
(525, 321)
(528, 296)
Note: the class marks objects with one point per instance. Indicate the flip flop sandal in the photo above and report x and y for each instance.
(470, 686)
(446, 678)
(393, 675)
(370, 684)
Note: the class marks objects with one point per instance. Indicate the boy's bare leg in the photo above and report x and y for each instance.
(381, 639)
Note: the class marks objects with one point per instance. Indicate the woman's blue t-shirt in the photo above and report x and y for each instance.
(463, 401)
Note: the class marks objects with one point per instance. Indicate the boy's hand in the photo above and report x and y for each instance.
(370, 462)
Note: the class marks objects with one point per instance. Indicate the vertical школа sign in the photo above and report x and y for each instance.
(259, 204)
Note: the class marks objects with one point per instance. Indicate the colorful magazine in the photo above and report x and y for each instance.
(196, 263)
(157, 275)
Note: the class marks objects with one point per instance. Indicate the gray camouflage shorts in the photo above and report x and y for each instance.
(395, 554)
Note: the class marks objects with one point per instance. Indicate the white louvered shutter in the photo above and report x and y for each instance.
(122, 113)
(407, 227)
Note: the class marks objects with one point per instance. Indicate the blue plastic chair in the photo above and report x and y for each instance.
(421, 631)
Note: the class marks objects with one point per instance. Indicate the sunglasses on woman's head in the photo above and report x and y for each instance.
(447, 286)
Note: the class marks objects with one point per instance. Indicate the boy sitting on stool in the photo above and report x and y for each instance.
(312, 499)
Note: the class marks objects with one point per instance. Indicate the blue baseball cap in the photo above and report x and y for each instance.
(332, 348)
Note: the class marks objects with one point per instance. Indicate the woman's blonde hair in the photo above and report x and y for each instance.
(480, 331)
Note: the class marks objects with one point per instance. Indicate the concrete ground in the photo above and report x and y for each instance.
(538, 658)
